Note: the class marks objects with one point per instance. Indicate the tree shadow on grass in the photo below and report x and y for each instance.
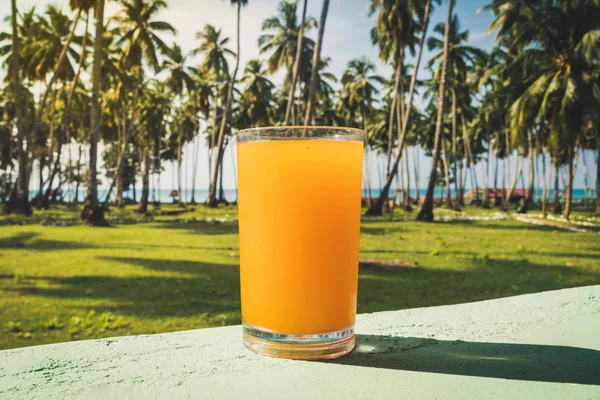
(211, 288)
(412, 287)
(31, 241)
(526, 362)
(203, 227)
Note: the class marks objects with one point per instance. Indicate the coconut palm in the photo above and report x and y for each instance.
(392, 169)
(359, 88)
(212, 193)
(563, 38)
(282, 38)
(91, 213)
(19, 201)
(256, 102)
(426, 212)
(309, 117)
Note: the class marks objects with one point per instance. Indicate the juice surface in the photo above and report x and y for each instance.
(299, 213)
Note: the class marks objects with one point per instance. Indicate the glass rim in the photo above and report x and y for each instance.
(263, 133)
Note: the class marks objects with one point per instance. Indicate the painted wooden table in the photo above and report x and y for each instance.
(538, 346)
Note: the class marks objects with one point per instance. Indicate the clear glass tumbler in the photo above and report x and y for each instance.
(299, 219)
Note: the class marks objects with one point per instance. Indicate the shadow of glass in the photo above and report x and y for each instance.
(526, 362)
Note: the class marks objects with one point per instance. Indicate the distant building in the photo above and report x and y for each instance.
(477, 193)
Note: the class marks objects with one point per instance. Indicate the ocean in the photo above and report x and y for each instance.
(231, 194)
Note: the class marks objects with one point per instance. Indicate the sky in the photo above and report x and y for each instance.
(347, 36)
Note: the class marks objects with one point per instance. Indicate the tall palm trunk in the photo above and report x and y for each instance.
(195, 164)
(76, 196)
(290, 100)
(145, 169)
(367, 165)
(457, 177)
(91, 213)
(426, 213)
(179, 159)
(497, 198)
(447, 175)
(531, 176)
(509, 192)
(569, 196)
(407, 180)
(19, 202)
(309, 117)
(377, 207)
(556, 207)
(546, 183)
(67, 113)
(393, 111)
(416, 163)
(598, 177)
(485, 202)
(586, 183)
(212, 193)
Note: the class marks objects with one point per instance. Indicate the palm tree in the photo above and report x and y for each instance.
(178, 81)
(563, 40)
(358, 85)
(140, 41)
(140, 38)
(290, 102)
(255, 106)
(91, 213)
(20, 200)
(282, 40)
(377, 206)
(461, 58)
(212, 194)
(215, 69)
(309, 117)
(426, 212)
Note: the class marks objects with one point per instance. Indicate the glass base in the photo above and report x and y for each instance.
(298, 347)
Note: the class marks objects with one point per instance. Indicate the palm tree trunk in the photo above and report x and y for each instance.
(195, 166)
(447, 175)
(145, 169)
(556, 207)
(598, 177)
(367, 166)
(485, 202)
(309, 117)
(426, 213)
(221, 191)
(586, 183)
(212, 198)
(570, 177)
(546, 183)
(91, 213)
(393, 111)
(179, 159)
(416, 163)
(76, 197)
(531, 176)
(509, 192)
(290, 101)
(377, 207)
(457, 178)
(407, 180)
(19, 202)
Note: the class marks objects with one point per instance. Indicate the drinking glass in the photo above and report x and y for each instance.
(299, 221)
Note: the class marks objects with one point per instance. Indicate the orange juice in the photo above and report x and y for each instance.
(299, 212)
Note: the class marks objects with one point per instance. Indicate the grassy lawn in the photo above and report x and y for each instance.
(60, 283)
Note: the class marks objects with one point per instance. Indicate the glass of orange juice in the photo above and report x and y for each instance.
(299, 222)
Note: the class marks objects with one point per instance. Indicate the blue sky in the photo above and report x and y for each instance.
(347, 36)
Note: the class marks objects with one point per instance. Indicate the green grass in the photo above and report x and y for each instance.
(60, 283)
